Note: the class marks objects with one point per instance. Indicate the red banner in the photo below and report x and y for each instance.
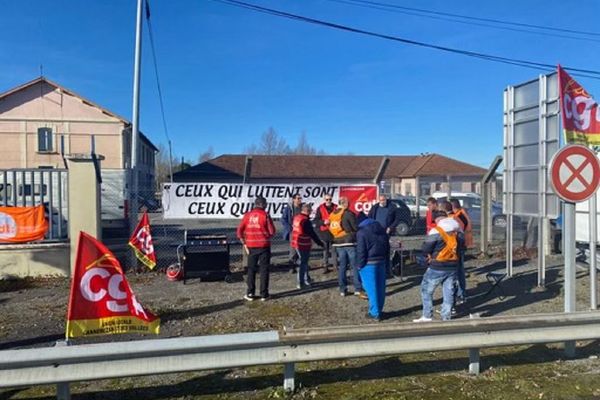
(22, 224)
(141, 243)
(580, 113)
(360, 198)
(101, 301)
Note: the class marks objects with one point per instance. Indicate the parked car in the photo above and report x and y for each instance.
(406, 217)
(411, 202)
(473, 206)
(453, 194)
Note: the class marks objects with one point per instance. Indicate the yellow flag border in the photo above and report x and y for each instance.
(111, 326)
(142, 257)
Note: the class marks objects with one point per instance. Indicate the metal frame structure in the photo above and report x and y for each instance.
(63, 364)
(527, 156)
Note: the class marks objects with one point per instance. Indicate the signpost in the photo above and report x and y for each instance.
(575, 176)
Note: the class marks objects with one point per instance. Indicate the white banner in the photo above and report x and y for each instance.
(232, 200)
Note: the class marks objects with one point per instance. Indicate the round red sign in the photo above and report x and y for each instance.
(575, 173)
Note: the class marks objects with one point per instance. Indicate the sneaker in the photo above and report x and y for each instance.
(299, 286)
(452, 311)
(265, 298)
(249, 297)
(423, 319)
(361, 295)
(344, 293)
(370, 317)
(293, 271)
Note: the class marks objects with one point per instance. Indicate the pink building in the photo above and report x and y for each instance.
(41, 120)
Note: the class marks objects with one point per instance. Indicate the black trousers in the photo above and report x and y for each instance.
(259, 259)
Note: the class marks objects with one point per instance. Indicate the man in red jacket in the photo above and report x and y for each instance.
(302, 236)
(432, 206)
(255, 232)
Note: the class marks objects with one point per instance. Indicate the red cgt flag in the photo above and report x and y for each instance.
(141, 243)
(580, 113)
(101, 301)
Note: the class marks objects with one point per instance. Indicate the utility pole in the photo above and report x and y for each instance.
(136, 112)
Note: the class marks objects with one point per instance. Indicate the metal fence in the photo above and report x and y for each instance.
(167, 234)
(34, 187)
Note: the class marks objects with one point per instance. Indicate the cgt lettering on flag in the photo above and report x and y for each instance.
(141, 243)
(580, 113)
(101, 301)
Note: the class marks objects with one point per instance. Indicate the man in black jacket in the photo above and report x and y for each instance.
(388, 215)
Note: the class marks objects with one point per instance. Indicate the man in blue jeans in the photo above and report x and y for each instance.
(372, 251)
(442, 250)
(343, 227)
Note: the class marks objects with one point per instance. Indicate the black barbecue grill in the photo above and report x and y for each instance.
(205, 257)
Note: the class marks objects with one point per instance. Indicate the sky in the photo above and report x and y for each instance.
(228, 74)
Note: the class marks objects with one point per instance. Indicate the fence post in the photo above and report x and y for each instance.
(63, 390)
(288, 377)
(473, 354)
(84, 199)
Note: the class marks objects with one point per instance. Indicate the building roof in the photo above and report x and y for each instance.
(43, 79)
(322, 167)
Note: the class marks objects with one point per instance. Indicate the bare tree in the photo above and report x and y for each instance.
(270, 144)
(304, 148)
(207, 155)
(162, 165)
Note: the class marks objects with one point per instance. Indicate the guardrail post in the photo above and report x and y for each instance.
(288, 377)
(473, 355)
(63, 390)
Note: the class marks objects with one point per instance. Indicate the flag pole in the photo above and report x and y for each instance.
(135, 119)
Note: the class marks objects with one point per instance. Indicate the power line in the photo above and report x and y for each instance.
(505, 60)
(492, 20)
(468, 20)
(160, 96)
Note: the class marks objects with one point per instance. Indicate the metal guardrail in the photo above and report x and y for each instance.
(63, 364)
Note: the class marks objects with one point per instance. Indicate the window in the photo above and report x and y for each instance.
(45, 139)
(407, 189)
(25, 190)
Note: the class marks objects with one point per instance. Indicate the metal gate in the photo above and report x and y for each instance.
(33, 187)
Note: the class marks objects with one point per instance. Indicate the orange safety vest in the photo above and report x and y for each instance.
(300, 239)
(467, 229)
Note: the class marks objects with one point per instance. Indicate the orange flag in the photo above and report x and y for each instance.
(101, 301)
(580, 113)
(141, 243)
(22, 224)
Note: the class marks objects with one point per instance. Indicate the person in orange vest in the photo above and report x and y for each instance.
(321, 222)
(461, 216)
(302, 236)
(432, 205)
(255, 232)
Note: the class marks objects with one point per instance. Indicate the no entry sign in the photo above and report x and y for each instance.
(575, 173)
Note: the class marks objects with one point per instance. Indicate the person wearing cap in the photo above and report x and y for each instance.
(321, 222)
(441, 249)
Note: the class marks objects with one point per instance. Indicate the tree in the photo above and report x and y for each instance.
(207, 155)
(270, 144)
(304, 148)
(162, 165)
